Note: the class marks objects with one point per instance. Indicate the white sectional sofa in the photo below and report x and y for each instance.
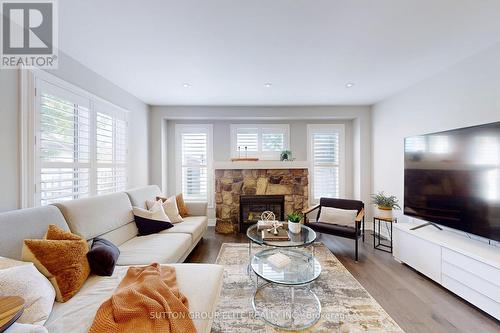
(110, 216)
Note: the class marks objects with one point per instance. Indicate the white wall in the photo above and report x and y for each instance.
(79, 75)
(464, 95)
(358, 117)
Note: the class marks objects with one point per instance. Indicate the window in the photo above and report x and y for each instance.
(326, 155)
(194, 161)
(111, 150)
(79, 144)
(265, 141)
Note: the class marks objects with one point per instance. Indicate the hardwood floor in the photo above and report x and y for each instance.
(415, 302)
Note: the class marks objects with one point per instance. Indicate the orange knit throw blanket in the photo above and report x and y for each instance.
(146, 300)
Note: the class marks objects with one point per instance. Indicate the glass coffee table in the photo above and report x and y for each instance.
(284, 299)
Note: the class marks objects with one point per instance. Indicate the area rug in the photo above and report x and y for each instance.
(346, 305)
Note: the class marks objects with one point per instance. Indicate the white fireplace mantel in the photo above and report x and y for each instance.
(228, 165)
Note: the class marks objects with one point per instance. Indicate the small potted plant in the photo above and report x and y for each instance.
(385, 205)
(294, 219)
(286, 155)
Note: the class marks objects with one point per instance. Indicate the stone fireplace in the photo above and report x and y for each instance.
(231, 184)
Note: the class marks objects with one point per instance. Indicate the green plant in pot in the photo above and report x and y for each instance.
(385, 205)
(294, 219)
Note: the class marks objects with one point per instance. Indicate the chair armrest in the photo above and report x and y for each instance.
(197, 208)
(310, 209)
(360, 215)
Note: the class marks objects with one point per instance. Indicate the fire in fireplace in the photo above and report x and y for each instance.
(252, 206)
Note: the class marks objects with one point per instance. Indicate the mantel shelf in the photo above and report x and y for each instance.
(227, 165)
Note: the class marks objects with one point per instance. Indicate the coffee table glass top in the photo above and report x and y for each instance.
(306, 237)
(303, 267)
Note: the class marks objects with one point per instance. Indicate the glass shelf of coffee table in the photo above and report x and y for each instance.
(286, 300)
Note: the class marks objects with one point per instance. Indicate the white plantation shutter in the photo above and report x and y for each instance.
(64, 141)
(247, 140)
(326, 160)
(80, 146)
(273, 139)
(193, 145)
(262, 141)
(111, 150)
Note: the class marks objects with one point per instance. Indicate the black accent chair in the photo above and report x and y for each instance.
(339, 230)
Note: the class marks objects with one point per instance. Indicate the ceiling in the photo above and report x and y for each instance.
(227, 50)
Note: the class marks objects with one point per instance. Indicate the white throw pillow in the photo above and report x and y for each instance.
(154, 212)
(170, 208)
(26, 328)
(338, 216)
(25, 281)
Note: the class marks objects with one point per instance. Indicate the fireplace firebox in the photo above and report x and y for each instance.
(252, 206)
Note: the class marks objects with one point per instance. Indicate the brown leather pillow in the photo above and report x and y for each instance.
(62, 258)
(181, 205)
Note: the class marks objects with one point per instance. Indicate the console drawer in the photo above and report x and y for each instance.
(477, 268)
(481, 301)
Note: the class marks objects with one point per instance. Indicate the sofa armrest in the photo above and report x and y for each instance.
(197, 208)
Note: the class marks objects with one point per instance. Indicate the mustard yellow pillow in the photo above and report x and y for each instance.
(62, 258)
(181, 205)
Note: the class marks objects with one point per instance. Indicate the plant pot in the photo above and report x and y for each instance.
(294, 227)
(384, 212)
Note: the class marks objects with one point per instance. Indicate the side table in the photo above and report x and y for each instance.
(11, 308)
(377, 237)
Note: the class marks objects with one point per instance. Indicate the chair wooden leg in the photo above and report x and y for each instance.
(363, 229)
(356, 249)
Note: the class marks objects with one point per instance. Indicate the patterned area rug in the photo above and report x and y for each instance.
(346, 305)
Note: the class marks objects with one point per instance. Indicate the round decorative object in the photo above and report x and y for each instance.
(268, 216)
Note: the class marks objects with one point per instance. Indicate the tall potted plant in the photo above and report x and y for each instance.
(385, 205)
(294, 219)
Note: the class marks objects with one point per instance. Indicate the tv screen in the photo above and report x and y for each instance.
(452, 178)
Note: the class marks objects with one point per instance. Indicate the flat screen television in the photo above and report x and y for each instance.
(452, 178)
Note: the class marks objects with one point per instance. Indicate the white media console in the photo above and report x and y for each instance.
(467, 267)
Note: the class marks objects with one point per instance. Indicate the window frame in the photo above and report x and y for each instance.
(32, 83)
(260, 154)
(195, 128)
(326, 128)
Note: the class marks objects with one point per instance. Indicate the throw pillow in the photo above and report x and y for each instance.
(171, 209)
(338, 216)
(23, 279)
(102, 257)
(155, 211)
(56, 233)
(63, 261)
(146, 222)
(181, 205)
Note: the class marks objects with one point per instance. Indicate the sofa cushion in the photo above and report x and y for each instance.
(24, 224)
(160, 248)
(197, 208)
(96, 216)
(193, 225)
(138, 196)
(150, 226)
(62, 258)
(102, 257)
(200, 283)
(23, 279)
